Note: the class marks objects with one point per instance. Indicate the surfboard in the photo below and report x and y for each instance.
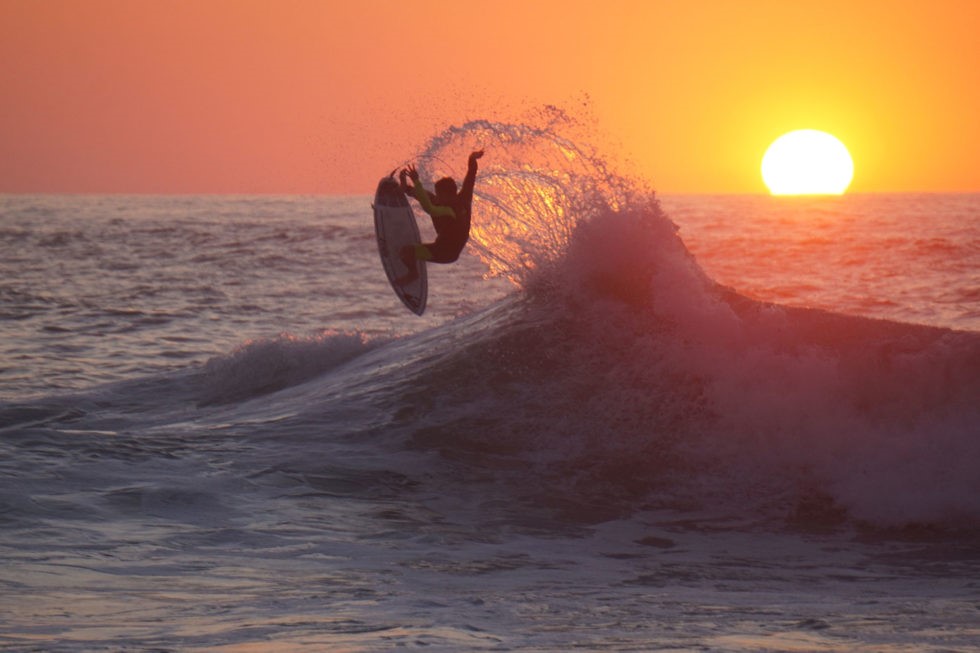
(395, 227)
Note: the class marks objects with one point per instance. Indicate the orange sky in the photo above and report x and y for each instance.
(298, 96)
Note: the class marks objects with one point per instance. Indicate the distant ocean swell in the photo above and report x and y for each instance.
(621, 377)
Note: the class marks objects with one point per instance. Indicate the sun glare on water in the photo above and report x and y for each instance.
(807, 162)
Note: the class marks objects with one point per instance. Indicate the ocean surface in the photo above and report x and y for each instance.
(626, 421)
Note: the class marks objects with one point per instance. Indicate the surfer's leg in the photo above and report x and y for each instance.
(409, 254)
(444, 250)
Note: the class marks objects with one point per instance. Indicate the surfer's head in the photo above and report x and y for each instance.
(446, 190)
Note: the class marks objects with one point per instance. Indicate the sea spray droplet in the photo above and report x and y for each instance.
(537, 182)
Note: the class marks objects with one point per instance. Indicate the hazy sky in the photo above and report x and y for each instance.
(297, 96)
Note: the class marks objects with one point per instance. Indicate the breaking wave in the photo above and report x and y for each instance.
(626, 370)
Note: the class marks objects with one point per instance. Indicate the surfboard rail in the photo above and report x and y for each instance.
(394, 228)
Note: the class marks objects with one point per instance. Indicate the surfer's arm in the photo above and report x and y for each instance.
(411, 192)
(407, 188)
(470, 178)
(425, 199)
(435, 210)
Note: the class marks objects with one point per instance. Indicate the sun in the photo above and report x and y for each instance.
(807, 162)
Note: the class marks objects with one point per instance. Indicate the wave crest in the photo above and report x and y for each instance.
(267, 365)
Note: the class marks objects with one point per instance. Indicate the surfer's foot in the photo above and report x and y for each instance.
(408, 277)
(407, 255)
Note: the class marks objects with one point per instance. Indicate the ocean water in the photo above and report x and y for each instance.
(626, 421)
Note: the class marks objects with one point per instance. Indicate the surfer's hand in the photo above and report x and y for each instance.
(476, 155)
(402, 176)
(412, 172)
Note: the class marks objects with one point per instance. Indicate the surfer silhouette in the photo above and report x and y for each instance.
(450, 212)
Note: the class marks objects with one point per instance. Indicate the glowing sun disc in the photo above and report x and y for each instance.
(807, 162)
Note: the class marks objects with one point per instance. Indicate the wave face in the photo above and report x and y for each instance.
(626, 377)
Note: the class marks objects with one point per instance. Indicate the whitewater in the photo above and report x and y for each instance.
(626, 422)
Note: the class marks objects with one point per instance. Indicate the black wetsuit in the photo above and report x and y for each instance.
(452, 231)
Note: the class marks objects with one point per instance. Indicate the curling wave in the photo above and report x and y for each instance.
(623, 371)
